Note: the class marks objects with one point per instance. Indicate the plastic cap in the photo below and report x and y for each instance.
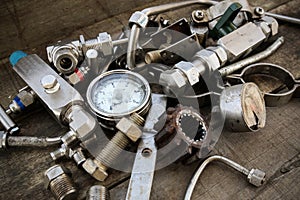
(16, 56)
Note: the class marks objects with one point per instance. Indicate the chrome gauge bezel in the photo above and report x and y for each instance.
(141, 109)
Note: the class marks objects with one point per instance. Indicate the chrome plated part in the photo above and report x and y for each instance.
(256, 174)
(7, 122)
(278, 96)
(135, 30)
(140, 183)
(118, 93)
(244, 107)
(252, 59)
(284, 18)
(32, 69)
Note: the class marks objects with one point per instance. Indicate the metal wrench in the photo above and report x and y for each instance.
(144, 165)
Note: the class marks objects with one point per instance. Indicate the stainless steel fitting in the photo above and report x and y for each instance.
(256, 177)
(139, 18)
(8, 124)
(23, 99)
(59, 153)
(128, 130)
(50, 84)
(98, 192)
(60, 184)
(65, 57)
(69, 138)
(244, 107)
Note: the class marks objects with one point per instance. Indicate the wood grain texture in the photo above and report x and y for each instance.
(34, 24)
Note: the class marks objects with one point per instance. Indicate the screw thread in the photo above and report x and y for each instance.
(118, 143)
(137, 119)
(113, 149)
(98, 192)
(62, 188)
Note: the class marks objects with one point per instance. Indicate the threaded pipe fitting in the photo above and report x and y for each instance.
(98, 192)
(60, 183)
(118, 143)
(62, 188)
(113, 149)
(137, 119)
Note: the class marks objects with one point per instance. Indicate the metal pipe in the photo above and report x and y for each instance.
(252, 59)
(135, 30)
(7, 122)
(284, 18)
(119, 41)
(255, 176)
(25, 141)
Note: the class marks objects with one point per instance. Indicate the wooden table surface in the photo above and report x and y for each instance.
(31, 25)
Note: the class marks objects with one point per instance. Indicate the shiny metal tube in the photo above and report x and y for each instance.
(196, 176)
(119, 41)
(135, 30)
(7, 122)
(284, 18)
(25, 141)
(252, 59)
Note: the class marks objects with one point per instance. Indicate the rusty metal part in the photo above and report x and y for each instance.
(254, 176)
(118, 143)
(59, 182)
(98, 192)
(176, 121)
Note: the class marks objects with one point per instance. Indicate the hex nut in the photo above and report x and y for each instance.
(139, 18)
(95, 169)
(272, 23)
(74, 78)
(52, 173)
(256, 177)
(49, 81)
(210, 57)
(129, 128)
(189, 70)
(82, 123)
(266, 29)
(220, 52)
(172, 78)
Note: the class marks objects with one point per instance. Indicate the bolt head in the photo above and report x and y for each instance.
(199, 14)
(52, 173)
(129, 128)
(259, 11)
(49, 81)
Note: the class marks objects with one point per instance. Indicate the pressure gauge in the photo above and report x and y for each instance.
(118, 93)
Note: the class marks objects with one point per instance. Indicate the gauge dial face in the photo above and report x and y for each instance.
(118, 93)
